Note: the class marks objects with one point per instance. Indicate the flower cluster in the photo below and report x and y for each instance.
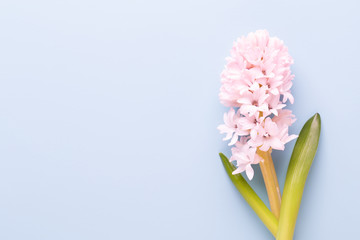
(256, 85)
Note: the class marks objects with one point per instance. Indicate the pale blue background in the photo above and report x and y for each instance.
(109, 109)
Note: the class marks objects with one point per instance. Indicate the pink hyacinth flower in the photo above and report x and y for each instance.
(256, 85)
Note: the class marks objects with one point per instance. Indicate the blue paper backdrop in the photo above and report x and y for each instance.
(109, 109)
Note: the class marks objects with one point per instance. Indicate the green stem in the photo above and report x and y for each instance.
(299, 166)
(251, 197)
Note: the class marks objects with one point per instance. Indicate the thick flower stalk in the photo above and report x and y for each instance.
(256, 86)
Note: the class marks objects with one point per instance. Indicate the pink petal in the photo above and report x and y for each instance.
(233, 140)
(249, 172)
(277, 144)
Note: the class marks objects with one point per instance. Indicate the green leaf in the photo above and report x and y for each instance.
(266, 216)
(299, 166)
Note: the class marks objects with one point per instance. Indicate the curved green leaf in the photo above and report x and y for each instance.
(266, 216)
(299, 166)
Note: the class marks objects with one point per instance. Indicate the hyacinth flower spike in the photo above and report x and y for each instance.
(255, 78)
(256, 86)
